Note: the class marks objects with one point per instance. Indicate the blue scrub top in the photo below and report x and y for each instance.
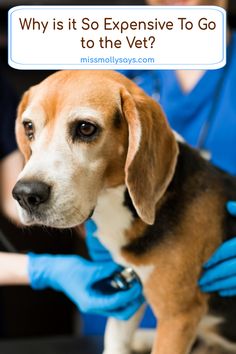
(212, 100)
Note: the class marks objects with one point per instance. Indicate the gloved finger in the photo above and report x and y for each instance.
(220, 271)
(226, 251)
(110, 302)
(96, 250)
(125, 313)
(103, 270)
(90, 226)
(231, 207)
(228, 293)
(130, 310)
(223, 284)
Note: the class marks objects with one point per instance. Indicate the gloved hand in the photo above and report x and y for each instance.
(220, 271)
(97, 251)
(76, 277)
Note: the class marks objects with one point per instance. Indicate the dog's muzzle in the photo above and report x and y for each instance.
(31, 194)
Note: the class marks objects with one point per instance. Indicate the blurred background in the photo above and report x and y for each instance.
(24, 313)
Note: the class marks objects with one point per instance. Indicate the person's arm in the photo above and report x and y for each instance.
(13, 269)
(220, 271)
(76, 278)
(10, 167)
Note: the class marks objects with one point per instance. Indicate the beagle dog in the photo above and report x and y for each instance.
(95, 145)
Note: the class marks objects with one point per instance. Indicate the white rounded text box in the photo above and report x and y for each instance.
(117, 37)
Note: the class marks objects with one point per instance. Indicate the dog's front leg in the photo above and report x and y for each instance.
(119, 334)
(177, 333)
(178, 306)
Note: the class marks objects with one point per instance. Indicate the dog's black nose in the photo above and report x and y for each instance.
(30, 194)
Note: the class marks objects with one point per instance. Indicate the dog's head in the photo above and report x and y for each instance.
(82, 132)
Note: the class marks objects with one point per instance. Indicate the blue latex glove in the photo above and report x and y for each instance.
(75, 277)
(96, 250)
(220, 271)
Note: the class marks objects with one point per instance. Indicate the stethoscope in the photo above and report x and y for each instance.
(211, 118)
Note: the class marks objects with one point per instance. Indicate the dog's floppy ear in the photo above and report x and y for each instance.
(21, 138)
(152, 153)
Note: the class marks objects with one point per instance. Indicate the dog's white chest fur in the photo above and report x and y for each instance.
(112, 219)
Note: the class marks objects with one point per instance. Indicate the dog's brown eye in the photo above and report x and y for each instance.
(83, 131)
(86, 129)
(29, 129)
